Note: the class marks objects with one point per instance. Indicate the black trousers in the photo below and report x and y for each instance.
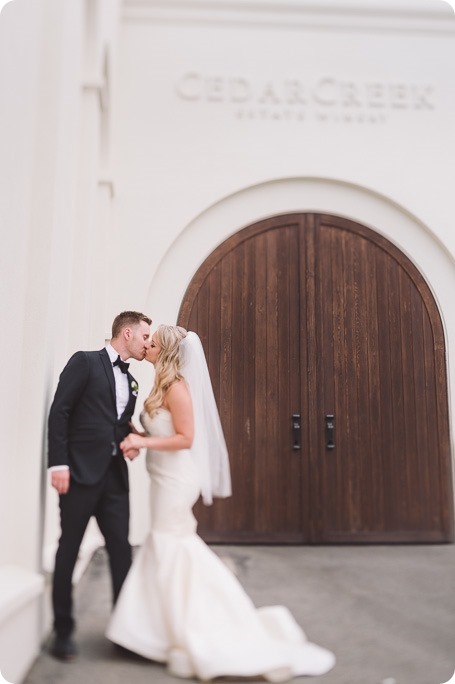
(108, 501)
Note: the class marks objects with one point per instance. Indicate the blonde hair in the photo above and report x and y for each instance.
(167, 367)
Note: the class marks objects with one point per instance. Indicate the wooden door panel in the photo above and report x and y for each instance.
(252, 294)
(349, 474)
(381, 482)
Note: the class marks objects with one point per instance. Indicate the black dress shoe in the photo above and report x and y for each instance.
(64, 648)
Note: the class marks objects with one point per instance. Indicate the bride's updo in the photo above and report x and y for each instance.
(167, 367)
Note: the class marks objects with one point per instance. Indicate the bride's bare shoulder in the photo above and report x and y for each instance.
(177, 392)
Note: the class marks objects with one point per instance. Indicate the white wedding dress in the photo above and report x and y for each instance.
(182, 606)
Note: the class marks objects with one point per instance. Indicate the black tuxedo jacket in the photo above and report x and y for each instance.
(83, 429)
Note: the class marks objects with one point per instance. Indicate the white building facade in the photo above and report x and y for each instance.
(139, 137)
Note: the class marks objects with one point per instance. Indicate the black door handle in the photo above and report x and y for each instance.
(329, 430)
(296, 431)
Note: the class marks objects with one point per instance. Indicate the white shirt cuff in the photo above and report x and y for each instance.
(59, 467)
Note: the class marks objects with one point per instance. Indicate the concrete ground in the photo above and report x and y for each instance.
(387, 612)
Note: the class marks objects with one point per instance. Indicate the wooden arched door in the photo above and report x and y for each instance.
(319, 317)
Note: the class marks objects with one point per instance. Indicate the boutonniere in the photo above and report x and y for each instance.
(134, 388)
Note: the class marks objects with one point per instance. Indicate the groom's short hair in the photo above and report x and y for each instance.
(127, 319)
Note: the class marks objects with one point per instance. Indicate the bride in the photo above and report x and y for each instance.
(180, 604)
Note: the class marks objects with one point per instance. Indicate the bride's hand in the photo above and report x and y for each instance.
(132, 441)
(135, 430)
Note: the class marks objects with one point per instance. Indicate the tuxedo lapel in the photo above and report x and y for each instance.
(109, 372)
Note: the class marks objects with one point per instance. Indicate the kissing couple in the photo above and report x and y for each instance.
(177, 603)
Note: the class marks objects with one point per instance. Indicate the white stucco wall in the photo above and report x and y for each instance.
(33, 195)
(191, 145)
(186, 152)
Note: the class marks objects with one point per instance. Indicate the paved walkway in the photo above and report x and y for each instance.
(388, 613)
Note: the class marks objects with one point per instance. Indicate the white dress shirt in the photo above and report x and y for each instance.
(122, 390)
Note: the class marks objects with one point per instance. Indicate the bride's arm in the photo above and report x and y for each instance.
(178, 402)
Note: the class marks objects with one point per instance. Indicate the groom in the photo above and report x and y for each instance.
(89, 417)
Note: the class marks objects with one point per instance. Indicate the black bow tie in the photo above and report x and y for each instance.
(121, 364)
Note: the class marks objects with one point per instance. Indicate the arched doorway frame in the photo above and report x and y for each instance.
(216, 223)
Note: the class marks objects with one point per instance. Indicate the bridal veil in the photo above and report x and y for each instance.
(209, 446)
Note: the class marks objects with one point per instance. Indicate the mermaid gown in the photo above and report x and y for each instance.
(181, 605)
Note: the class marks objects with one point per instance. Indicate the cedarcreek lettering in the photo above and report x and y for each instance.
(292, 98)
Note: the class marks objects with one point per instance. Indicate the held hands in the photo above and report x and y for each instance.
(131, 445)
(130, 451)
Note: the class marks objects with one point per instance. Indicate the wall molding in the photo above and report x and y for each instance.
(355, 15)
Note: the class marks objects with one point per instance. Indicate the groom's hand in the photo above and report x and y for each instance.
(60, 480)
(131, 454)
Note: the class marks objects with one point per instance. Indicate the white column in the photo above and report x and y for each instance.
(49, 179)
